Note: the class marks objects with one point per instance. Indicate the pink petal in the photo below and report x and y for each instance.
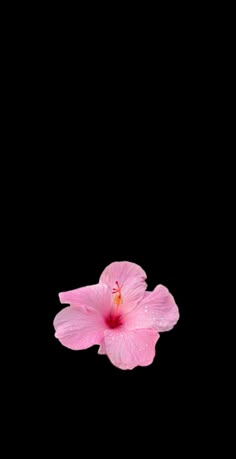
(121, 271)
(127, 349)
(96, 296)
(79, 329)
(156, 310)
(102, 349)
(132, 293)
(131, 279)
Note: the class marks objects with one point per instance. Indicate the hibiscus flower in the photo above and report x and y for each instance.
(118, 314)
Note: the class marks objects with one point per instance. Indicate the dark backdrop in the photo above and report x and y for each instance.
(110, 204)
(114, 180)
(110, 145)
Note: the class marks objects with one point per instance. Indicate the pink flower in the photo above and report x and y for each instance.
(117, 314)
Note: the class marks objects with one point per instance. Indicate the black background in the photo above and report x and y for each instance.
(110, 137)
(104, 206)
(115, 174)
(116, 187)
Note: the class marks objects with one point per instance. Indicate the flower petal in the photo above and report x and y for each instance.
(102, 349)
(127, 349)
(96, 296)
(79, 329)
(157, 310)
(131, 280)
(121, 271)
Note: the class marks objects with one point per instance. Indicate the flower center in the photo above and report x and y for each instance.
(113, 320)
(117, 299)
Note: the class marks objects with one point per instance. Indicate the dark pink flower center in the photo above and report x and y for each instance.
(113, 320)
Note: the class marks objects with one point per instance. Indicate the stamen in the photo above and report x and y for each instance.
(117, 292)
